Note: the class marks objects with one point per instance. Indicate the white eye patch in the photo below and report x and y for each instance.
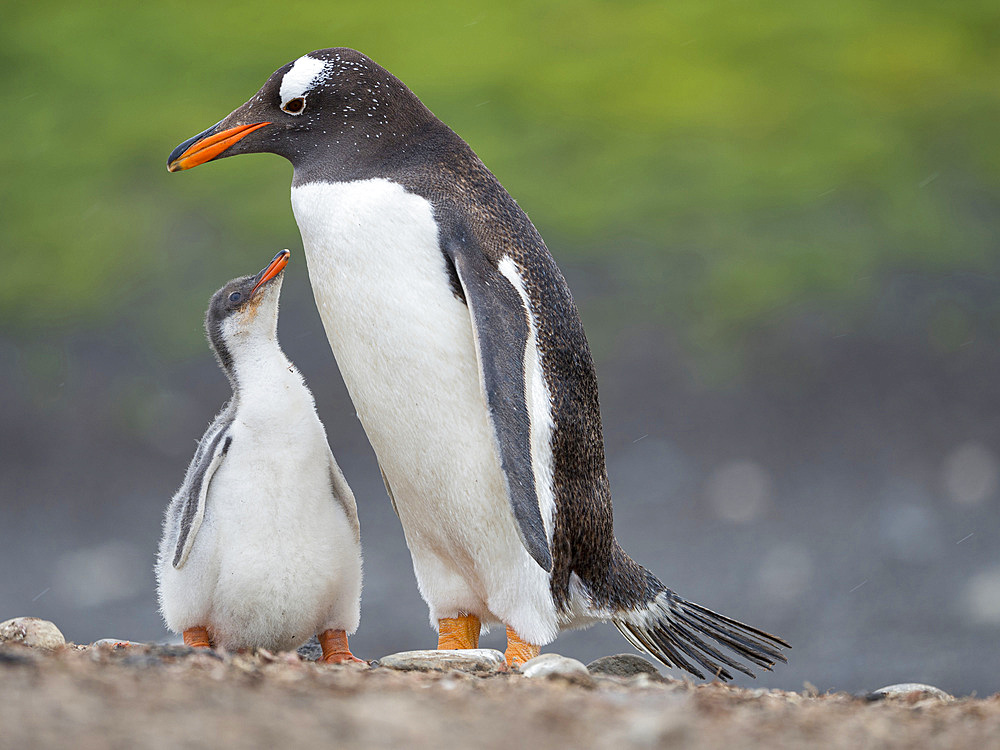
(305, 73)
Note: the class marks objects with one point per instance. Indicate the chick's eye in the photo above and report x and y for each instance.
(235, 297)
(294, 106)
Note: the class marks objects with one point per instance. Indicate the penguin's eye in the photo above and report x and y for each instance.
(235, 297)
(294, 106)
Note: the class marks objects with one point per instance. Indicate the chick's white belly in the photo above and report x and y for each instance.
(288, 576)
(404, 344)
(275, 560)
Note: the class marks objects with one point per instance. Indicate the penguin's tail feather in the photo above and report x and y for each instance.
(680, 634)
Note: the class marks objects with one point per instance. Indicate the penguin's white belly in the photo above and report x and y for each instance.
(275, 560)
(405, 347)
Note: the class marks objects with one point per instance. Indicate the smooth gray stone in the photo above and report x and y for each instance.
(311, 650)
(623, 665)
(478, 660)
(33, 632)
(906, 689)
(556, 665)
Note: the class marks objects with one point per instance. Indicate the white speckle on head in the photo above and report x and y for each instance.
(305, 73)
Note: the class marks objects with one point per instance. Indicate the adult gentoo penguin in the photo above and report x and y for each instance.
(261, 544)
(464, 354)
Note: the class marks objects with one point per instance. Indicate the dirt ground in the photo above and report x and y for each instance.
(170, 697)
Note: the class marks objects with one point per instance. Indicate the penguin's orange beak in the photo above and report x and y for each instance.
(276, 266)
(208, 145)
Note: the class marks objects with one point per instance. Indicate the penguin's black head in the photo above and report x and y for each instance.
(245, 310)
(332, 106)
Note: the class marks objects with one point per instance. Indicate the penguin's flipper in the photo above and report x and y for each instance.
(344, 496)
(195, 491)
(501, 330)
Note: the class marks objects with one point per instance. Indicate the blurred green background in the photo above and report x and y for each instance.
(725, 159)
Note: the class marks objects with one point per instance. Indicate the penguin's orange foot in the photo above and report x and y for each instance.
(197, 638)
(458, 632)
(335, 648)
(519, 651)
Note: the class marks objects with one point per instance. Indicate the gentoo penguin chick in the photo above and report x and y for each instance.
(466, 360)
(261, 544)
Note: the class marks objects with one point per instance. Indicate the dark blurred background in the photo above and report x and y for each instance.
(780, 222)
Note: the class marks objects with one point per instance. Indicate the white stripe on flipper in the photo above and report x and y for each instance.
(305, 73)
(199, 515)
(539, 405)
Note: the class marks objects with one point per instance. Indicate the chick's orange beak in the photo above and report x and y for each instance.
(276, 266)
(206, 146)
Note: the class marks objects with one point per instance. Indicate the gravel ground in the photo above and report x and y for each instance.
(171, 697)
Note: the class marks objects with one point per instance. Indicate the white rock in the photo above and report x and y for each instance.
(480, 660)
(31, 631)
(555, 665)
(907, 689)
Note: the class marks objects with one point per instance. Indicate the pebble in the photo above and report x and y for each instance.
(556, 665)
(478, 660)
(114, 643)
(623, 665)
(311, 650)
(33, 632)
(909, 690)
